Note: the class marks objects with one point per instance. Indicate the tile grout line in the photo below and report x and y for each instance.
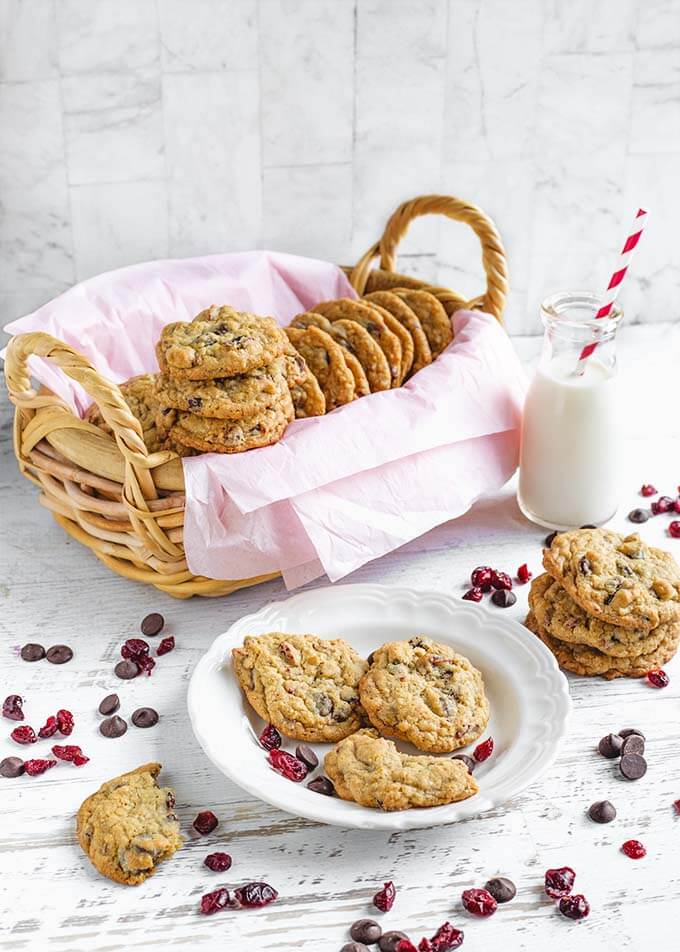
(166, 176)
(67, 182)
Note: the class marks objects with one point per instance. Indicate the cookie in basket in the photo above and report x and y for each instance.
(226, 398)
(310, 319)
(434, 320)
(325, 359)
(405, 339)
(400, 311)
(346, 309)
(232, 436)
(306, 394)
(140, 395)
(219, 342)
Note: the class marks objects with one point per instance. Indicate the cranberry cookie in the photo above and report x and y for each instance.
(230, 436)
(140, 395)
(226, 398)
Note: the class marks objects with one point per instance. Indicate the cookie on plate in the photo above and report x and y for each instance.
(425, 693)
(309, 319)
(434, 320)
(306, 394)
(140, 395)
(325, 359)
(219, 342)
(128, 826)
(226, 398)
(306, 686)
(345, 309)
(399, 309)
(371, 771)
(616, 578)
(231, 436)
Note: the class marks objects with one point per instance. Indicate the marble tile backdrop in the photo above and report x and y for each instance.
(135, 130)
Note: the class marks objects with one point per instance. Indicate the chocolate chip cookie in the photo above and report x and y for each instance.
(559, 615)
(306, 394)
(304, 685)
(325, 359)
(345, 309)
(309, 319)
(424, 692)
(231, 436)
(226, 398)
(371, 771)
(616, 578)
(219, 342)
(435, 321)
(128, 826)
(405, 339)
(140, 395)
(399, 309)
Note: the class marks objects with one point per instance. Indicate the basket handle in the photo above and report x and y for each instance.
(493, 252)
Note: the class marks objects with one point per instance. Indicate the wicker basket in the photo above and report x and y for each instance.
(127, 504)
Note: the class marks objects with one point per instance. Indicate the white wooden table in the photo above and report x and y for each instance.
(54, 591)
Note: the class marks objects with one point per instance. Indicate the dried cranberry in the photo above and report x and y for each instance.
(49, 728)
(479, 902)
(214, 901)
(523, 574)
(270, 738)
(70, 753)
(482, 577)
(24, 735)
(648, 490)
(287, 765)
(146, 664)
(473, 595)
(501, 580)
(254, 895)
(634, 849)
(658, 678)
(574, 907)
(384, 899)
(559, 882)
(134, 648)
(446, 937)
(166, 645)
(405, 945)
(674, 529)
(676, 806)
(218, 862)
(65, 722)
(35, 767)
(661, 505)
(483, 751)
(11, 707)
(205, 822)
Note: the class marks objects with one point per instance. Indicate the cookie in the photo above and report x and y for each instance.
(219, 342)
(344, 309)
(400, 311)
(308, 399)
(559, 615)
(405, 339)
(589, 662)
(232, 436)
(140, 395)
(226, 398)
(309, 319)
(325, 359)
(128, 826)
(435, 321)
(371, 771)
(425, 693)
(304, 685)
(616, 578)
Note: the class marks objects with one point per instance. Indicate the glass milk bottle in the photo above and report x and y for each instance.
(569, 457)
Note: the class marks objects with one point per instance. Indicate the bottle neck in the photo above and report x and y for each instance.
(570, 325)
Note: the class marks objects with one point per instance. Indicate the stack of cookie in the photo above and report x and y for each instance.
(358, 347)
(608, 604)
(229, 382)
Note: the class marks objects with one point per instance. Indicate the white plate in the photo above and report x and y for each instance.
(528, 694)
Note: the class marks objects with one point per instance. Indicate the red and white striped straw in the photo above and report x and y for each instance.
(615, 282)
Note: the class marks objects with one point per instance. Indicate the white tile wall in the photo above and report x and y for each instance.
(133, 130)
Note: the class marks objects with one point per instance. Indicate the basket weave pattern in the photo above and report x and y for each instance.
(126, 504)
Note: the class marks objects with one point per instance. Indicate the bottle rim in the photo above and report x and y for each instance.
(557, 310)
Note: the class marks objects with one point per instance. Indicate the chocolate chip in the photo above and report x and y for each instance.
(126, 670)
(549, 539)
(11, 767)
(109, 705)
(584, 565)
(365, 930)
(323, 704)
(389, 940)
(639, 515)
(59, 654)
(503, 598)
(322, 785)
(144, 717)
(152, 624)
(468, 761)
(113, 726)
(633, 766)
(371, 657)
(307, 756)
(633, 744)
(32, 652)
(627, 731)
(502, 889)
(589, 525)
(602, 812)
(193, 403)
(354, 947)
(610, 746)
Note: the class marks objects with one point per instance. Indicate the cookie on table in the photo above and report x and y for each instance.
(219, 342)
(127, 828)
(559, 615)
(425, 693)
(309, 319)
(306, 394)
(617, 578)
(400, 310)
(306, 686)
(405, 339)
(369, 770)
(325, 359)
(345, 309)
(232, 436)
(589, 662)
(434, 320)
(225, 398)
(140, 395)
